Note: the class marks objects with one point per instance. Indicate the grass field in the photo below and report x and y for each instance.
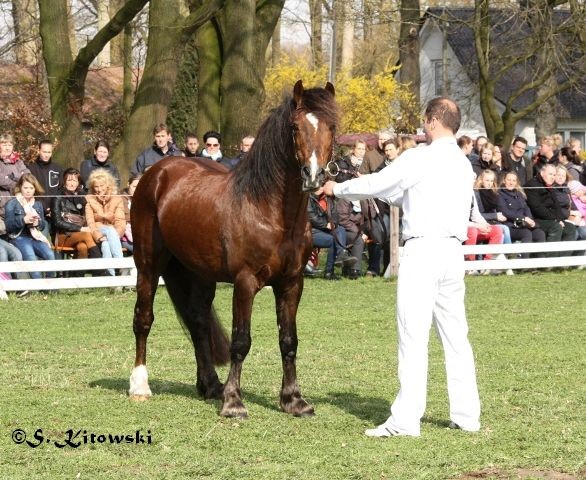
(66, 358)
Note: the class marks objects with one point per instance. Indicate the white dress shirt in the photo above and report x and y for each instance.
(433, 183)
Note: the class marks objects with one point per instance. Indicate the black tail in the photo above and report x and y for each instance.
(193, 303)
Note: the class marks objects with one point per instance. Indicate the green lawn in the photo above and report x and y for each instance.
(66, 358)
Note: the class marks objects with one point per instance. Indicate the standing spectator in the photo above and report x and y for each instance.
(466, 144)
(480, 141)
(245, 146)
(69, 217)
(545, 207)
(104, 212)
(213, 146)
(48, 173)
(515, 161)
(373, 158)
(512, 204)
(191, 145)
(100, 159)
(25, 219)
(11, 167)
(349, 166)
(162, 147)
(417, 179)
(545, 154)
(569, 159)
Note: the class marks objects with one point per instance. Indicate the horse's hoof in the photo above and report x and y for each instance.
(234, 411)
(139, 398)
(298, 408)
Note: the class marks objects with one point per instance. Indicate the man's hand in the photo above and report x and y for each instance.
(329, 188)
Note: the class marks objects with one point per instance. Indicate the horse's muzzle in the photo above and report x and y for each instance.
(312, 184)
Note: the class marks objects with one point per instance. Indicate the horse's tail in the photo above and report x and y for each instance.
(180, 283)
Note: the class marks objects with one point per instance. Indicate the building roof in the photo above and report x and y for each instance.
(509, 31)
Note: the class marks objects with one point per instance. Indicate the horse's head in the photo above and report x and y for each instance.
(314, 128)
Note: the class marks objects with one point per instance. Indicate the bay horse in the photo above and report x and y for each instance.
(195, 224)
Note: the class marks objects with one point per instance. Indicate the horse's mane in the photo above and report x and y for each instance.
(263, 169)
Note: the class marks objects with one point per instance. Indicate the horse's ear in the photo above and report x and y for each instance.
(298, 92)
(330, 88)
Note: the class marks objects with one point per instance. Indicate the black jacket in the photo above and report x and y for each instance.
(543, 201)
(67, 204)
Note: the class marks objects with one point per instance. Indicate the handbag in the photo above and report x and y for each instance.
(74, 218)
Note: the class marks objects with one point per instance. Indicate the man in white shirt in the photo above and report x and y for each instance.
(431, 274)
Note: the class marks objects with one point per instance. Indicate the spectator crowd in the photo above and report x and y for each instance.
(45, 208)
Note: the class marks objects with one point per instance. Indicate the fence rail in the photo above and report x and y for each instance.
(71, 282)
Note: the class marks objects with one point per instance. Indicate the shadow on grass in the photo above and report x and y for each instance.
(370, 409)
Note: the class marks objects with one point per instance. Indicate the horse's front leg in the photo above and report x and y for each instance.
(245, 288)
(287, 296)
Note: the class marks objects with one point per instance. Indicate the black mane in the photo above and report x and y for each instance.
(263, 169)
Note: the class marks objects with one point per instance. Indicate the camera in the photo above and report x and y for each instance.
(519, 223)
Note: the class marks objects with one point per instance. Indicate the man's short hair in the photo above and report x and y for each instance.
(519, 140)
(160, 127)
(446, 111)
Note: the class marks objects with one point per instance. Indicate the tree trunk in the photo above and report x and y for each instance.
(66, 76)
(26, 31)
(117, 43)
(409, 73)
(316, 20)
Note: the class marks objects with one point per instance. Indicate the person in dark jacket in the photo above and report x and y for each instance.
(48, 173)
(101, 159)
(513, 206)
(69, 217)
(545, 207)
(162, 147)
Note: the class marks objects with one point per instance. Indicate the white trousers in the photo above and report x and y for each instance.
(431, 289)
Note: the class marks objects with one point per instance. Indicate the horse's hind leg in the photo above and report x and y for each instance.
(287, 296)
(146, 286)
(193, 302)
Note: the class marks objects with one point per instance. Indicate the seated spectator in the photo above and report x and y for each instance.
(104, 213)
(512, 204)
(191, 146)
(514, 160)
(578, 192)
(564, 200)
(545, 208)
(48, 173)
(353, 219)
(480, 230)
(569, 159)
(327, 233)
(71, 228)
(25, 218)
(99, 160)
(128, 192)
(349, 166)
(162, 147)
(486, 193)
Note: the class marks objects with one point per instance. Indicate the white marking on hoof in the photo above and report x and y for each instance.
(139, 382)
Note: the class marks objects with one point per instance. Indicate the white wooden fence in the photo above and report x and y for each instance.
(129, 280)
